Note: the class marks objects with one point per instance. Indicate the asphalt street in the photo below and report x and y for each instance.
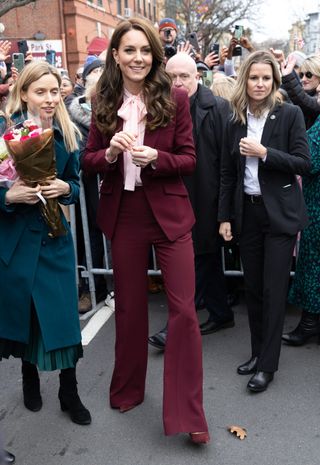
(283, 423)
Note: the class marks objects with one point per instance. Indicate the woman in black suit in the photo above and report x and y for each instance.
(265, 148)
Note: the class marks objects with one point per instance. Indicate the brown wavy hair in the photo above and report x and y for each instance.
(157, 85)
(240, 100)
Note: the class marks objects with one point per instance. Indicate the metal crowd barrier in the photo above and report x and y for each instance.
(88, 272)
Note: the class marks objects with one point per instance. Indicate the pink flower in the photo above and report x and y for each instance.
(35, 133)
(7, 169)
(24, 138)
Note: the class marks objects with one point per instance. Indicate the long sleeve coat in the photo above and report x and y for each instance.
(285, 138)
(35, 267)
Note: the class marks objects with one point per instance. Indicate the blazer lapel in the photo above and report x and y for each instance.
(270, 125)
(241, 131)
(150, 137)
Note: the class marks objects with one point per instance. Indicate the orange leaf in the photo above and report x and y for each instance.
(240, 432)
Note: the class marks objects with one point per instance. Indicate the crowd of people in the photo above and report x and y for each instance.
(185, 165)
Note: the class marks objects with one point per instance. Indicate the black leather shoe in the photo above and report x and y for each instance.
(248, 367)
(8, 457)
(211, 326)
(259, 381)
(159, 339)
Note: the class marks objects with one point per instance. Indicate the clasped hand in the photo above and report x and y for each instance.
(142, 155)
(19, 192)
(251, 148)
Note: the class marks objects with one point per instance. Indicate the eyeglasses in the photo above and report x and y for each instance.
(308, 75)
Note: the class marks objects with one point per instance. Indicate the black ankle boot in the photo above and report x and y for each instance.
(69, 399)
(31, 387)
(308, 327)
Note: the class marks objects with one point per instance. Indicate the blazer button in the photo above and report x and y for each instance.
(44, 242)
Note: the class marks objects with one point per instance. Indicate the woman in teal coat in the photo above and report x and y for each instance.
(38, 298)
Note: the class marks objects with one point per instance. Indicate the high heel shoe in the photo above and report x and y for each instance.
(200, 438)
(126, 408)
(69, 398)
(31, 387)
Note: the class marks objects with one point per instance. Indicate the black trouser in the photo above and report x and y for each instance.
(211, 286)
(266, 259)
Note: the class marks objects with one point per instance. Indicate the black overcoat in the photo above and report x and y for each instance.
(209, 116)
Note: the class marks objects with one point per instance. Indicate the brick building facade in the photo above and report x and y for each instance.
(70, 25)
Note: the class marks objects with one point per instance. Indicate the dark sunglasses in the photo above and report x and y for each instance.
(308, 75)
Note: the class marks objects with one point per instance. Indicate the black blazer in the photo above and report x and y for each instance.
(284, 136)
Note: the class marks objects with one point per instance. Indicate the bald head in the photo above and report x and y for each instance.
(183, 70)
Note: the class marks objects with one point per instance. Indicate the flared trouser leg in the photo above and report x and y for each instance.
(136, 231)
(183, 378)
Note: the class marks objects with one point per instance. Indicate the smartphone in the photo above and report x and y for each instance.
(193, 39)
(207, 78)
(51, 57)
(22, 47)
(214, 48)
(18, 61)
(238, 31)
(237, 51)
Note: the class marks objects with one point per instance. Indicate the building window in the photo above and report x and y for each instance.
(100, 3)
(119, 7)
(144, 8)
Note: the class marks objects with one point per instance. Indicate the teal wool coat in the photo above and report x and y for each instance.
(35, 267)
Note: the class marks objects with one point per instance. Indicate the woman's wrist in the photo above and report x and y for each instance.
(110, 157)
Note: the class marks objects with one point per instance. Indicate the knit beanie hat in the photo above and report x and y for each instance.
(91, 63)
(167, 22)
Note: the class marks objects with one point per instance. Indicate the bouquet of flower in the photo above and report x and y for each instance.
(32, 151)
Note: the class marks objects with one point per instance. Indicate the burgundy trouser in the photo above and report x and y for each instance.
(136, 230)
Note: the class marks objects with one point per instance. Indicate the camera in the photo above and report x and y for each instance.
(169, 49)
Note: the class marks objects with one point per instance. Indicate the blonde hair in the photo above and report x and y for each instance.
(223, 86)
(312, 64)
(240, 100)
(31, 73)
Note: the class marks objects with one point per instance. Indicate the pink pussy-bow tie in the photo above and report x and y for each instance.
(132, 111)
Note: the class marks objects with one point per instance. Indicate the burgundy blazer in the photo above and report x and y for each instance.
(163, 185)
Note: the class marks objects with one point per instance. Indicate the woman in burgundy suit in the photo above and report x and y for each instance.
(141, 138)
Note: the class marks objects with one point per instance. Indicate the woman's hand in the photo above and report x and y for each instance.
(19, 192)
(251, 148)
(143, 155)
(287, 67)
(225, 231)
(55, 188)
(120, 142)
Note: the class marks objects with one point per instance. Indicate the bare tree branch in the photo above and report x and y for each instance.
(7, 5)
(212, 18)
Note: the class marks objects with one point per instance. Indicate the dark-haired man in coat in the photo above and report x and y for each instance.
(209, 114)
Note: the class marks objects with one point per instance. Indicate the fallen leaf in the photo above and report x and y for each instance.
(240, 432)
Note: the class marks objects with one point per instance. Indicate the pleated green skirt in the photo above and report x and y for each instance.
(34, 351)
